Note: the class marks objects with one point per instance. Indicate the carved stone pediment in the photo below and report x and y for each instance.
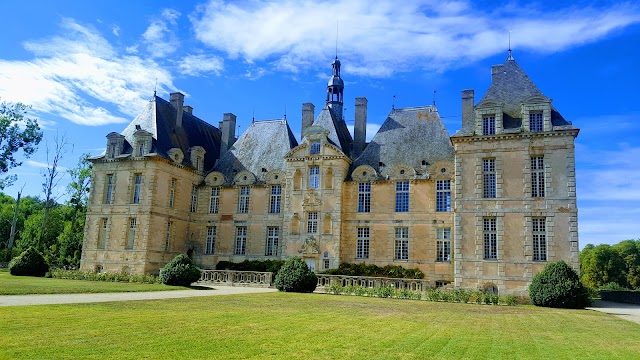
(311, 199)
(310, 246)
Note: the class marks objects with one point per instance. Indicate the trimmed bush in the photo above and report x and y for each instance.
(558, 286)
(295, 276)
(181, 271)
(29, 263)
(272, 266)
(362, 269)
(102, 276)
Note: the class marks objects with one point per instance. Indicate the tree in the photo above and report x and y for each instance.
(600, 265)
(629, 251)
(51, 179)
(558, 285)
(17, 132)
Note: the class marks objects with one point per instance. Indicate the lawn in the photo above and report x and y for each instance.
(310, 326)
(22, 285)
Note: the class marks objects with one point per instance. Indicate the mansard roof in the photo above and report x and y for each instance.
(408, 136)
(262, 146)
(338, 133)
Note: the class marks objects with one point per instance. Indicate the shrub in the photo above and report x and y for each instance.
(509, 300)
(272, 266)
(612, 286)
(102, 276)
(179, 272)
(29, 263)
(558, 286)
(362, 269)
(295, 276)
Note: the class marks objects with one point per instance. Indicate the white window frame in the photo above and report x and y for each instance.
(102, 238)
(241, 241)
(402, 196)
(314, 177)
(275, 200)
(443, 195)
(314, 148)
(273, 240)
(312, 222)
(210, 243)
(489, 178)
(194, 199)
(490, 238)
(536, 121)
(364, 197)
(488, 125)
(172, 192)
(167, 240)
(363, 242)
(539, 232)
(537, 176)
(108, 197)
(137, 187)
(401, 243)
(214, 200)
(131, 238)
(243, 199)
(443, 245)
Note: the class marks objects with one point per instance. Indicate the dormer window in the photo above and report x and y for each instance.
(197, 157)
(115, 144)
(141, 149)
(489, 125)
(315, 148)
(536, 123)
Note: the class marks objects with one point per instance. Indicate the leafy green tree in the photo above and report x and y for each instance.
(558, 285)
(600, 265)
(17, 132)
(629, 251)
(32, 233)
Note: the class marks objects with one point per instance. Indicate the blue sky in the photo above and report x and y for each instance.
(87, 67)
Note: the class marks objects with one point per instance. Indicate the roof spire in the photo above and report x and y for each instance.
(393, 103)
(510, 57)
(285, 112)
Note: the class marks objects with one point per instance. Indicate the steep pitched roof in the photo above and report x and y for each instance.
(338, 133)
(263, 145)
(408, 136)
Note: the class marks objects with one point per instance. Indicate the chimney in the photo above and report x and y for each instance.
(188, 109)
(468, 119)
(308, 113)
(228, 129)
(360, 128)
(177, 100)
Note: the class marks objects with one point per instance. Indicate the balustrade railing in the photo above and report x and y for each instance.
(324, 280)
(236, 278)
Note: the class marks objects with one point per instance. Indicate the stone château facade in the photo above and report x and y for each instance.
(484, 208)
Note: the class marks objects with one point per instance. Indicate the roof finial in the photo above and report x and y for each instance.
(253, 115)
(155, 88)
(434, 97)
(285, 112)
(510, 57)
(393, 103)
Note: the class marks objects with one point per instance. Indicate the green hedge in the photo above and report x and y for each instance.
(295, 276)
(362, 269)
(29, 263)
(559, 286)
(272, 266)
(102, 276)
(181, 271)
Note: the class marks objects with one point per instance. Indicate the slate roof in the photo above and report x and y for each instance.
(263, 145)
(338, 133)
(408, 136)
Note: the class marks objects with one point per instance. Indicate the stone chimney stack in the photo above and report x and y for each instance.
(308, 114)
(360, 128)
(468, 118)
(228, 129)
(188, 109)
(177, 101)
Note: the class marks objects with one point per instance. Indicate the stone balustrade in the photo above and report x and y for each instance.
(324, 280)
(236, 278)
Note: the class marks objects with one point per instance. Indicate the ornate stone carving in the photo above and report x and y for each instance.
(311, 199)
(310, 246)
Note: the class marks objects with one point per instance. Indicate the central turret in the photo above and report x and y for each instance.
(335, 89)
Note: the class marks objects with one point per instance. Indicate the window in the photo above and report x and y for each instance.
(214, 200)
(136, 188)
(243, 203)
(402, 196)
(402, 243)
(108, 198)
(172, 192)
(132, 233)
(194, 199)
(210, 244)
(443, 195)
(167, 239)
(362, 243)
(364, 197)
(241, 240)
(539, 239)
(273, 235)
(102, 239)
(276, 199)
(315, 148)
(112, 150)
(535, 122)
(489, 178)
(312, 222)
(488, 125)
(327, 263)
(314, 177)
(490, 238)
(444, 244)
(141, 149)
(537, 176)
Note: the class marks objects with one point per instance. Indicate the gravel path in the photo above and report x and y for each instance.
(629, 312)
(49, 299)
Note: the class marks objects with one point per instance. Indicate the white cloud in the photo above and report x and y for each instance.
(75, 72)
(255, 74)
(38, 164)
(612, 175)
(198, 65)
(115, 30)
(160, 37)
(379, 38)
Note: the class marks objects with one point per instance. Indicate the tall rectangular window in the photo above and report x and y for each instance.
(214, 200)
(490, 238)
(141, 149)
(537, 176)
(489, 178)
(402, 243)
(136, 188)
(172, 192)
(362, 243)
(108, 198)
(312, 222)
(315, 148)
(102, 239)
(364, 197)
(314, 177)
(275, 201)
(444, 244)
(488, 125)
(443, 195)
(194, 199)
(132, 233)
(167, 239)
(243, 201)
(402, 196)
(539, 239)
(210, 244)
(535, 122)
(241, 240)
(273, 237)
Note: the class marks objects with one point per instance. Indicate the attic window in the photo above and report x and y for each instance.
(215, 178)
(244, 178)
(315, 148)
(424, 163)
(364, 173)
(264, 170)
(138, 127)
(380, 163)
(443, 170)
(276, 177)
(401, 172)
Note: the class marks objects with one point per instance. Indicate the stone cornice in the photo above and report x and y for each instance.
(510, 136)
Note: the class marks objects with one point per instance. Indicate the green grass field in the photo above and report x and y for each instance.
(22, 285)
(311, 326)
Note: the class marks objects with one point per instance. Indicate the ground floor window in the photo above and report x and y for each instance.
(241, 240)
(402, 243)
(362, 243)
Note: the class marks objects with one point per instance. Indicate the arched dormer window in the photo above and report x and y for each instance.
(197, 157)
(141, 142)
(115, 143)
